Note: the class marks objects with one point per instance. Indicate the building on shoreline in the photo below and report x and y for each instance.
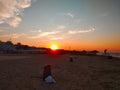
(7, 47)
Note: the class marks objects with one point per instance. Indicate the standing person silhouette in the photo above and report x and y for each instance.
(105, 52)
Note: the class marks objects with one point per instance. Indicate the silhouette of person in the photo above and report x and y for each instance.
(47, 71)
(105, 52)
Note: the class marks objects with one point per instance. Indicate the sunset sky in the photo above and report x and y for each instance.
(71, 24)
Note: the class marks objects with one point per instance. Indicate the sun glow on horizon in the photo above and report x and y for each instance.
(54, 47)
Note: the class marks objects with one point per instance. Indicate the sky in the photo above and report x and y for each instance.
(71, 24)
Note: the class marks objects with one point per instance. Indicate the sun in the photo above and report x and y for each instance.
(54, 47)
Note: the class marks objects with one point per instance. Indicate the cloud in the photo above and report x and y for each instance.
(14, 35)
(60, 27)
(3, 29)
(25, 3)
(44, 34)
(11, 10)
(69, 14)
(15, 21)
(4, 35)
(34, 37)
(36, 31)
(77, 20)
(48, 33)
(81, 31)
(57, 38)
(104, 14)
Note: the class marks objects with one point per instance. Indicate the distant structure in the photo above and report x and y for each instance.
(7, 46)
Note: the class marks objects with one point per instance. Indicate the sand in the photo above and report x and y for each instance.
(25, 72)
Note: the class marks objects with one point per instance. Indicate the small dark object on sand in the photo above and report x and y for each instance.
(71, 59)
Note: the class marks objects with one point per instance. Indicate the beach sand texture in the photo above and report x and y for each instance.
(25, 72)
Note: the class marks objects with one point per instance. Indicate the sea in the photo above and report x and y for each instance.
(116, 55)
(112, 54)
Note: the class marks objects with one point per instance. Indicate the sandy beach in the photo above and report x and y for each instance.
(25, 72)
